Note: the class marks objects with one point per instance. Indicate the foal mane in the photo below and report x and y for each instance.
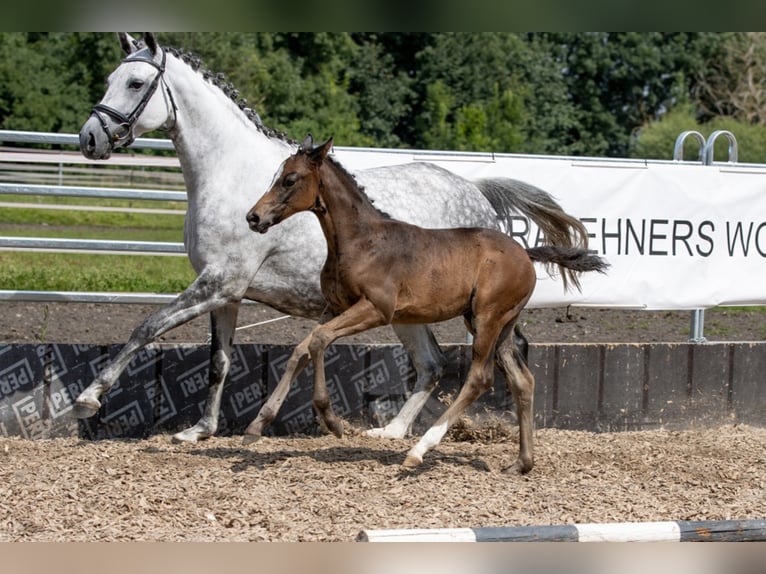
(349, 178)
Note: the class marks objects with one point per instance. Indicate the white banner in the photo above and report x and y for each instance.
(678, 235)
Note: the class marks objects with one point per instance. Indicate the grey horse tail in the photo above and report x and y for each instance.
(511, 197)
(573, 259)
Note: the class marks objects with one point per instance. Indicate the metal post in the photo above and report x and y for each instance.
(706, 156)
(697, 326)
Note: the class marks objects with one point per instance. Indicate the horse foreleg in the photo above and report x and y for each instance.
(428, 360)
(196, 300)
(360, 317)
(222, 324)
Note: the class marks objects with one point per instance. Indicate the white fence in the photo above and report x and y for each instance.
(44, 175)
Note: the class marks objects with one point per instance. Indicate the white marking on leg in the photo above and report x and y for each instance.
(433, 437)
(399, 426)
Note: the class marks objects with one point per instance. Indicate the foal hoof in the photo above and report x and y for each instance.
(411, 462)
(252, 434)
(519, 467)
(335, 427)
(84, 409)
(250, 438)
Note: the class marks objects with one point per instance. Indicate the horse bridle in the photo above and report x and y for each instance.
(125, 123)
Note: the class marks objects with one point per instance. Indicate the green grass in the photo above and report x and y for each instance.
(39, 271)
(84, 272)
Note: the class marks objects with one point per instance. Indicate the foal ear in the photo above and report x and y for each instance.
(320, 152)
(151, 42)
(127, 43)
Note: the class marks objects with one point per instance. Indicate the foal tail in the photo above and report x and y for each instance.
(574, 259)
(511, 197)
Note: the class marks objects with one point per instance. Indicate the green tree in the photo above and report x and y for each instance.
(500, 85)
(383, 92)
(733, 83)
(619, 81)
(38, 90)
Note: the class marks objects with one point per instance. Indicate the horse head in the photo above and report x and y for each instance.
(132, 104)
(295, 187)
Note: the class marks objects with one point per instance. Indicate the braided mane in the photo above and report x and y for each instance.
(219, 80)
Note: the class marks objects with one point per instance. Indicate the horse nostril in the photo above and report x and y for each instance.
(252, 218)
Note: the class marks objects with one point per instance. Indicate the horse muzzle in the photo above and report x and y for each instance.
(94, 142)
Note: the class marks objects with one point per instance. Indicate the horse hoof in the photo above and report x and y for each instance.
(336, 428)
(383, 433)
(411, 462)
(191, 435)
(85, 409)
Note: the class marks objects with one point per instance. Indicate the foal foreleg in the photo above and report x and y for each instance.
(199, 298)
(360, 317)
(298, 361)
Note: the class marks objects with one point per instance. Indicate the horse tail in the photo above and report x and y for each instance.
(574, 259)
(511, 197)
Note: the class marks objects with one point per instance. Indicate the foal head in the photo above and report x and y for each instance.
(295, 187)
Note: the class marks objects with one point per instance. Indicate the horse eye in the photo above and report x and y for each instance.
(290, 180)
(136, 85)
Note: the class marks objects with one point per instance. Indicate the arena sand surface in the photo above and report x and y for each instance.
(329, 489)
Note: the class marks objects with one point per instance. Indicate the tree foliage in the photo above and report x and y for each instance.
(596, 94)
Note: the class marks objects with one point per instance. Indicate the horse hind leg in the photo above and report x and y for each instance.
(429, 361)
(222, 324)
(512, 361)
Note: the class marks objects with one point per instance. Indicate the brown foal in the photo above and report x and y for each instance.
(380, 271)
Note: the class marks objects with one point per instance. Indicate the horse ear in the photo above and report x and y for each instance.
(307, 144)
(151, 42)
(127, 43)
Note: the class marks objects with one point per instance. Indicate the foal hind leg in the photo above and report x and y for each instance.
(479, 380)
(200, 297)
(511, 360)
(428, 360)
(222, 324)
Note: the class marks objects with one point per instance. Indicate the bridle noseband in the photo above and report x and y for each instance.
(126, 122)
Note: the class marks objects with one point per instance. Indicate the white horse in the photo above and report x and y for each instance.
(226, 156)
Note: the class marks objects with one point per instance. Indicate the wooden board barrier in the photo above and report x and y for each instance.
(594, 387)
